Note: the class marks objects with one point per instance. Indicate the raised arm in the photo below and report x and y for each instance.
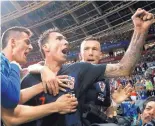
(142, 21)
(23, 114)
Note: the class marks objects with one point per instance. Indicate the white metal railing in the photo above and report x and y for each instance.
(26, 9)
(60, 15)
(127, 25)
(101, 32)
(100, 17)
(111, 28)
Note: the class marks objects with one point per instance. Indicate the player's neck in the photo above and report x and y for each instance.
(53, 65)
(7, 53)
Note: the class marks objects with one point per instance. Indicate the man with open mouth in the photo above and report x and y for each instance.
(52, 44)
(15, 47)
(148, 112)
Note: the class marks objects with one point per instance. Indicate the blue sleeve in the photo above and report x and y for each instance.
(10, 87)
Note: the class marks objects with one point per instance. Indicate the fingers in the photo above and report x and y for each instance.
(120, 87)
(67, 95)
(56, 86)
(64, 80)
(68, 103)
(128, 91)
(143, 14)
(50, 88)
(73, 99)
(73, 110)
(149, 16)
(64, 85)
(44, 87)
(144, 18)
(74, 104)
(62, 89)
(53, 85)
(127, 86)
(62, 76)
(50, 83)
(68, 111)
(138, 13)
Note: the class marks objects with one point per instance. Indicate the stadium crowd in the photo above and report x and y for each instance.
(79, 93)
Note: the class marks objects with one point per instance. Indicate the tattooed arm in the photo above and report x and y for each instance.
(142, 21)
(129, 60)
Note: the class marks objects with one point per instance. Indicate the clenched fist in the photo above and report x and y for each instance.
(142, 19)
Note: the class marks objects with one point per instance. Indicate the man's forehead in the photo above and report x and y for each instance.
(90, 43)
(20, 35)
(25, 35)
(56, 34)
(151, 104)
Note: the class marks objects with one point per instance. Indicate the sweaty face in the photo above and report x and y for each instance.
(58, 47)
(149, 112)
(22, 48)
(91, 51)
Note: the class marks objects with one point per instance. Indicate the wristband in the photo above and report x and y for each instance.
(40, 69)
(36, 68)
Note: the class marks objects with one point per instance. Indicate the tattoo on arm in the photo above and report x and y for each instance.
(130, 58)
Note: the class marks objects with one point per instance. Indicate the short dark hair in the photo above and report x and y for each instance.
(7, 33)
(44, 37)
(149, 99)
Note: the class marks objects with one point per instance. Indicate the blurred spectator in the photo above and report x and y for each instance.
(149, 87)
(130, 112)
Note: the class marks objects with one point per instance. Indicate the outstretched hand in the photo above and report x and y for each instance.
(122, 93)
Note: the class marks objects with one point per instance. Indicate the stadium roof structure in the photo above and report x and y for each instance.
(76, 19)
